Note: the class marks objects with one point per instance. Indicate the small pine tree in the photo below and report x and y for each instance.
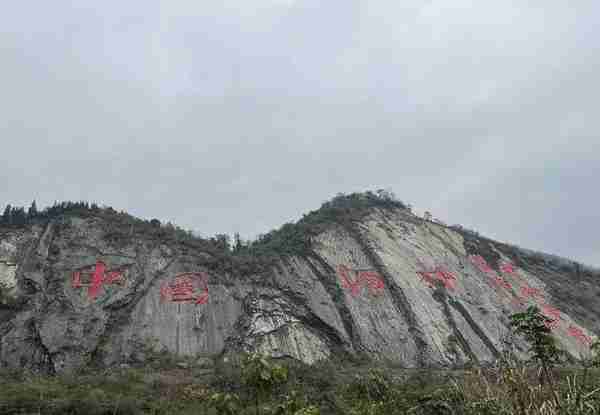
(222, 242)
(534, 327)
(33, 211)
(261, 375)
(18, 216)
(238, 244)
(7, 215)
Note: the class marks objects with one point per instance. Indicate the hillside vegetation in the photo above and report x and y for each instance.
(237, 257)
(224, 381)
(167, 386)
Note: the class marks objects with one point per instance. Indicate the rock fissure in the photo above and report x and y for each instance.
(336, 296)
(120, 312)
(475, 327)
(46, 361)
(441, 297)
(308, 317)
(302, 306)
(398, 296)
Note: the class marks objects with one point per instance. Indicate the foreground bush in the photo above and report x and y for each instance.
(294, 389)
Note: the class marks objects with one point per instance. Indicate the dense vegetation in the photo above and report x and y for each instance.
(255, 385)
(329, 388)
(237, 257)
(294, 238)
(18, 216)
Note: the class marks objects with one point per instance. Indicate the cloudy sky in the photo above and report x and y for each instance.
(240, 115)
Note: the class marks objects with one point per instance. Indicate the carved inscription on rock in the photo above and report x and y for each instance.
(525, 294)
(355, 279)
(96, 277)
(189, 287)
(438, 273)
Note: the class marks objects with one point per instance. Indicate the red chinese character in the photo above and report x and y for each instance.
(481, 264)
(507, 268)
(529, 291)
(370, 279)
(76, 282)
(501, 282)
(373, 281)
(579, 335)
(551, 312)
(344, 273)
(98, 278)
(552, 324)
(446, 277)
(440, 274)
(182, 289)
(427, 277)
(101, 277)
(188, 287)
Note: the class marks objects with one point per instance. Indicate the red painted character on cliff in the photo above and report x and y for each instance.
(428, 277)
(368, 278)
(579, 335)
(447, 278)
(553, 314)
(97, 278)
(528, 292)
(188, 287)
(481, 264)
(507, 268)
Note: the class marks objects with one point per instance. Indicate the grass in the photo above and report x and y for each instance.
(326, 388)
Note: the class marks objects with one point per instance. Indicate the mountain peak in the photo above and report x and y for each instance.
(360, 276)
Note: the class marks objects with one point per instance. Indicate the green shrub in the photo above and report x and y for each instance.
(261, 376)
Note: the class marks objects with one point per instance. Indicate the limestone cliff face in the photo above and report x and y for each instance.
(390, 287)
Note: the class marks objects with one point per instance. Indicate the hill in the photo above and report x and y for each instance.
(361, 277)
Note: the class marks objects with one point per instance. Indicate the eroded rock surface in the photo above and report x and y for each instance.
(391, 287)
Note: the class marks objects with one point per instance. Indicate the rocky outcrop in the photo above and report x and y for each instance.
(391, 286)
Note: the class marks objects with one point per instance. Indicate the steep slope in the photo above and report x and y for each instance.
(384, 285)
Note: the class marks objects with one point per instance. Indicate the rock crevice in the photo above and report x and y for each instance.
(388, 286)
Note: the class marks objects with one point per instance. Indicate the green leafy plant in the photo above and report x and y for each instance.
(225, 403)
(261, 376)
(595, 349)
(372, 387)
(309, 410)
(295, 404)
(534, 327)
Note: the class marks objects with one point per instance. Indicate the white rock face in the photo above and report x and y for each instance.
(8, 272)
(7, 250)
(392, 287)
(380, 328)
(292, 340)
(8, 266)
(478, 303)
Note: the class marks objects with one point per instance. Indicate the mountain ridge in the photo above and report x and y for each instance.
(362, 276)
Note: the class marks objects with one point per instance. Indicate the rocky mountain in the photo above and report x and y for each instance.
(363, 276)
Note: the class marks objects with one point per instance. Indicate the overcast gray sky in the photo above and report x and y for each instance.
(240, 115)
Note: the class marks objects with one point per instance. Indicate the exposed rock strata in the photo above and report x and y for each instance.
(390, 287)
